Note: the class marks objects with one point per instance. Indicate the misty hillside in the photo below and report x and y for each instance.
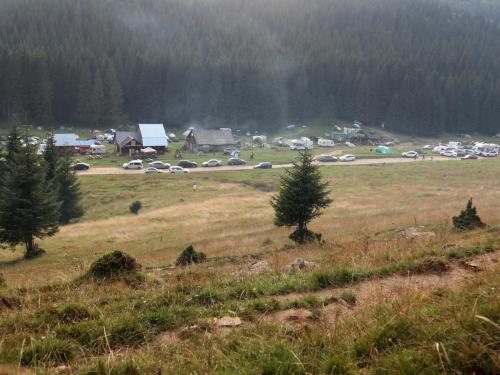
(424, 66)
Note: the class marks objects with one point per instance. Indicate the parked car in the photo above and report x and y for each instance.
(347, 157)
(410, 154)
(263, 165)
(177, 169)
(212, 163)
(152, 170)
(470, 157)
(448, 153)
(159, 165)
(236, 161)
(80, 166)
(489, 154)
(187, 164)
(327, 158)
(134, 164)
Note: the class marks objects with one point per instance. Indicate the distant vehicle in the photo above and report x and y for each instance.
(301, 144)
(461, 153)
(410, 154)
(470, 157)
(187, 164)
(80, 166)
(448, 153)
(152, 170)
(134, 164)
(159, 165)
(263, 165)
(212, 163)
(322, 142)
(291, 126)
(349, 144)
(98, 150)
(177, 169)
(489, 154)
(347, 157)
(236, 161)
(427, 147)
(327, 158)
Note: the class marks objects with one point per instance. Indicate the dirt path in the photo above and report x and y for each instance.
(374, 292)
(368, 293)
(119, 171)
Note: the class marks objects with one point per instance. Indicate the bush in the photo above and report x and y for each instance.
(50, 351)
(135, 207)
(112, 265)
(348, 297)
(73, 313)
(190, 256)
(468, 218)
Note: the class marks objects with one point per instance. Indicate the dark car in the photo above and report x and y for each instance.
(236, 161)
(263, 165)
(81, 166)
(187, 164)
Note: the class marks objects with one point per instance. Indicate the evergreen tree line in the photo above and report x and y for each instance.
(37, 194)
(424, 66)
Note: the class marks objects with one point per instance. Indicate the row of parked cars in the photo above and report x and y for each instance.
(327, 158)
(184, 166)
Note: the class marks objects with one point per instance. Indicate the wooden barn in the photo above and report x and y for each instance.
(209, 140)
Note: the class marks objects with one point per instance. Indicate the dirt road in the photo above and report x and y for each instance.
(115, 170)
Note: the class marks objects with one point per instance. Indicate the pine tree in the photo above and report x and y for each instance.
(51, 158)
(468, 218)
(41, 94)
(97, 100)
(28, 206)
(113, 98)
(84, 105)
(68, 192)
(301, 198)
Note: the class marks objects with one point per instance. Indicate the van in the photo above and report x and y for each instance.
(134, 164)
(322, 142)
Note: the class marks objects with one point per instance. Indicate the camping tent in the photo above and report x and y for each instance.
(148, 151)
(383, 150)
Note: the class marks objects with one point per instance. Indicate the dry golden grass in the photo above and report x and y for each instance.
(232, 219)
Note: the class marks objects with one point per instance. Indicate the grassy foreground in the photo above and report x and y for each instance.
(160, 319)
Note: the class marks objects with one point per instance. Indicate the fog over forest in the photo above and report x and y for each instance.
(419, 66)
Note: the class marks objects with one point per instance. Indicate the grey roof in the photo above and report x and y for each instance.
(153, 135)
(65, 140)
(213, 137)
(122, 138)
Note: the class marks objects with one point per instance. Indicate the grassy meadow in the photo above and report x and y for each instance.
(375, 301)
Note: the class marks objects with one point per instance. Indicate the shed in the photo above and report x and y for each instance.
(127, 142)
(209, 139)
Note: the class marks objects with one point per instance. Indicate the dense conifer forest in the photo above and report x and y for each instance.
(420, 66)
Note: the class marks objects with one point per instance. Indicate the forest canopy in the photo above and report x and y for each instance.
(424, 67)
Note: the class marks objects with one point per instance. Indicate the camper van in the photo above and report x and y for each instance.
(301, 144)
(322, 142)
(98, 149)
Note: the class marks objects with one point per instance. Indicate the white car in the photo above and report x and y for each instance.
(177, 169)
(159, 165)
(347, 157)
(489, 154)
(212, 163)
(427, 147)
(134, 164)
(448, 153)
(152, 170)
(410, 154)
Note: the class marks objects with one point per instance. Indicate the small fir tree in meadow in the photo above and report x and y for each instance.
(135, 207)
(302, 197)
(468, 218)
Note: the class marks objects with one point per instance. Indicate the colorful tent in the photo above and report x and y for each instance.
(383, 150)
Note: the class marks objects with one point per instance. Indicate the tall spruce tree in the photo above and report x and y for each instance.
(68, 191)
(28, 207)
(51, 158)
(301, 198)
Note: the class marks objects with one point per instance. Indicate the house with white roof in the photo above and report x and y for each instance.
(146, 136)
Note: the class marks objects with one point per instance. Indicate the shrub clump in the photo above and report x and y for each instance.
(112, 265)
(468, 218)
(51, 351)
(135, 207)
(189, 256)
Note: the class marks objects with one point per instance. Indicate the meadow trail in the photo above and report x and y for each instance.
(366, 294)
